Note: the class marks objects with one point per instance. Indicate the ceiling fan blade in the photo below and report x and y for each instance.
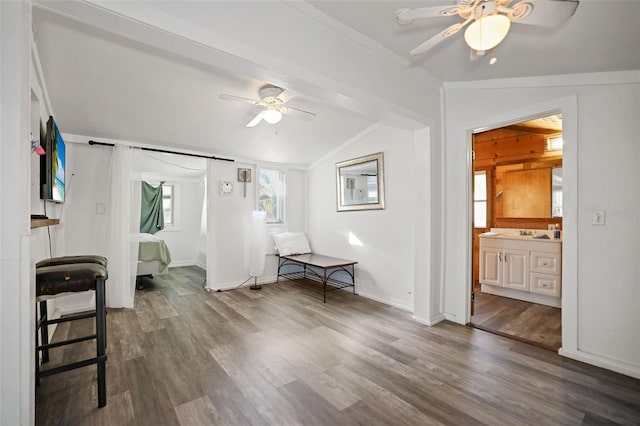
(286, 95)
(406, 16)
(298, 113)
(433, 41)
(543, 13)
(238, 98)
(257, 119)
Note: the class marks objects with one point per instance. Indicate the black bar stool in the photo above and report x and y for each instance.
(61, 279)
(63, 260)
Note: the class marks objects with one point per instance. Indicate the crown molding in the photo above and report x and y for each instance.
(561, 80)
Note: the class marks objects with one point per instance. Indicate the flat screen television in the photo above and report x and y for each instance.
(52, 165)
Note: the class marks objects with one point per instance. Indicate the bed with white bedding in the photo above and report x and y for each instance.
(153, 256)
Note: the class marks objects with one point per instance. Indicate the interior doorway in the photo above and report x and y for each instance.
(517, 231)
(177, 184)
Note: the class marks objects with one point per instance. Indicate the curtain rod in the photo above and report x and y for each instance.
(212, 157)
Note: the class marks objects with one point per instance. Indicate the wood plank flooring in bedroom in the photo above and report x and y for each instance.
(280, 356)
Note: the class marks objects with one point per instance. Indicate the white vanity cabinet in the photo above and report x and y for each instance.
(545, 273)
(504, 267)
(521, 268)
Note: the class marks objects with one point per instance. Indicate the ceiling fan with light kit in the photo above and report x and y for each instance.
(272, 102)
(489, 20)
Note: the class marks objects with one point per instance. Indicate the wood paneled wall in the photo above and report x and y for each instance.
(505, 146)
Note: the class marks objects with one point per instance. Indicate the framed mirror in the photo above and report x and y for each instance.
(360, 183)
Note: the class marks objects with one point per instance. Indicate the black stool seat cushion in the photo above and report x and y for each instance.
(52, 280)
(65, 260)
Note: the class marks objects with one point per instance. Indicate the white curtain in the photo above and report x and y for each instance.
(201, 251)
(122, 252)
(210, 195)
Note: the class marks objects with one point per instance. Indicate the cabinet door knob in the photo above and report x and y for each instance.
(544, 263)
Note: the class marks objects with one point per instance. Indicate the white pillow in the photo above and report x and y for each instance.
(289, 243)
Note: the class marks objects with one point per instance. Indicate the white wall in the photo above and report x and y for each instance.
(601, 322)
(385, 271)
(84, 222)
(16, 270)
(188, 213)
(230, 224)
(82, 228)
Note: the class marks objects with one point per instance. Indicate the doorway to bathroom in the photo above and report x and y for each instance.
(517, 231)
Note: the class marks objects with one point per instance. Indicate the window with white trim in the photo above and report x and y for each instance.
(480, 199)
(271, 194)
(168, 204)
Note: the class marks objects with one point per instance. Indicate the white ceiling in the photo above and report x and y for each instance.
(602, 35)
(105, 85)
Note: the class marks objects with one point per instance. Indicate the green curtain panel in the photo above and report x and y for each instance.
(151, 212)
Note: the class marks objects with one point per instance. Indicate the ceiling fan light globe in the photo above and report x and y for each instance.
(272, 116)
(487, 32)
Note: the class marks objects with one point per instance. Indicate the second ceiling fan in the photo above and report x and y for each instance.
(488, 20)
(272, 103)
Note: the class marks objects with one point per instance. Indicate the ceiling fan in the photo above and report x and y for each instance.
(489, 20)
(272, 102)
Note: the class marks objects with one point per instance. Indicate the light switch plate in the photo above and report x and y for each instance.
(598, 218)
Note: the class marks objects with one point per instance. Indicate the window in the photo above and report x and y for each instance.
(556, 192)
(167, 204)
(480, 199)
(271, 193)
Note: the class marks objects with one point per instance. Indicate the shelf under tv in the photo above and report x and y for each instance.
(39, 223)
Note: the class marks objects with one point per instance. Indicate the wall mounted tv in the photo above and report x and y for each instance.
(52, 165)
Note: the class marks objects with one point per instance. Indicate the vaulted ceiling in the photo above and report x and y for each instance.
(152, 72)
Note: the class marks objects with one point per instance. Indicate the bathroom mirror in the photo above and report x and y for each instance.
(360, 183)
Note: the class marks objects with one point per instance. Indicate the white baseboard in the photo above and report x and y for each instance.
(230, 286)
(451, 317)
(541, 299)
(386, 301)
(68, 310)
(74, 303)
(430, 322)
(604, 362)
(182, 263)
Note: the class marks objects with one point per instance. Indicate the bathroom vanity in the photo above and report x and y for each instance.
(524, 267)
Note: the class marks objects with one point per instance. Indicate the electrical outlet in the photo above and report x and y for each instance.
(598, 218)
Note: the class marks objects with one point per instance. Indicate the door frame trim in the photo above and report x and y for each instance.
(568, 107)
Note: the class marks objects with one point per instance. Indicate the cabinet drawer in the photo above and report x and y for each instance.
(546, 263)
(545, 284)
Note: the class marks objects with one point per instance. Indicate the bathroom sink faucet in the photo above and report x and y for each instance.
(526, 233)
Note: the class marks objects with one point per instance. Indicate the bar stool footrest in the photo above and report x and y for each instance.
(66, 342)
(71, 318)
(72, 366)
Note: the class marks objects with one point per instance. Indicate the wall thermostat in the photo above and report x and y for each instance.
(226, 187)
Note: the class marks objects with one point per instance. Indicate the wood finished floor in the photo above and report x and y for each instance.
(524, 320)
(281, 357)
